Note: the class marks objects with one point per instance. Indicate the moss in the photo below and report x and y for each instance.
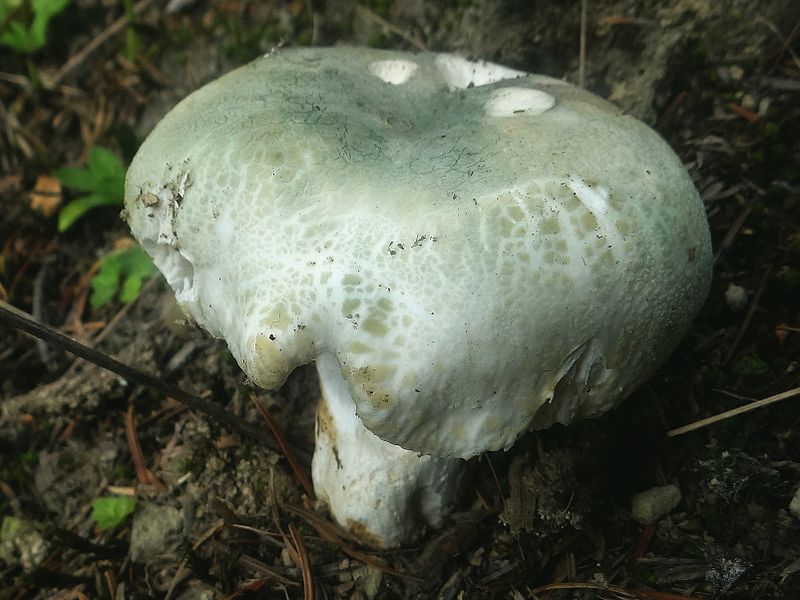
(788, 276)
(752, 365)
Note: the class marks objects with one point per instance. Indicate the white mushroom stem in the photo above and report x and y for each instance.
(385, 494)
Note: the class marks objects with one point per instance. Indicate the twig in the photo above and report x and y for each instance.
(144, 475)
(787, 41)
(305, 563)
(732, 232)
(36, 310)
(748, 317)
(296, 467)
(329, 532)
(614, 589)
(180, 575)
(582, 48)
(787, 328)
(126, 308)
(496, 479)
(116, 319)
(98, 41)
(734, 412)
(253, 565)
(13, 501)
(373, 16)
(21, 320)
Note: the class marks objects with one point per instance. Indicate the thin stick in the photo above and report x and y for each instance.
(305, 563)
(295, 465)
(734, 412)
(329, 532)
(408, 37)
(126, 308)
(143, 475)
(582, 49)
(496, 479)
(732, 232)
(751, 311)
(96, 42)
(14, 317)
(36, 310)
(633, 594)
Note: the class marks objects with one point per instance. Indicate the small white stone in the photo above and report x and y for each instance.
(396, 72)
(155, 530)
(736, 297)
(517, 101)
(648, 507)
(794, 505)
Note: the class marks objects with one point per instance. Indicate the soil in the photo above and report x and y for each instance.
(220, 515)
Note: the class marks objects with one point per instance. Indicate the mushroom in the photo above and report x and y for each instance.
(466, 251)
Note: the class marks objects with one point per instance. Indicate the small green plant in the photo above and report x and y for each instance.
(752, 365)
(128, 266)
(10, 528)
(110, 511)
(132, 44)
(27, 35)
(103, 180)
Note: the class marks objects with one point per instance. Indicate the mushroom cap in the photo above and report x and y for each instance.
(481, 250)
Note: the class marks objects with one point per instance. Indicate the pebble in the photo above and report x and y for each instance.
(794, 505)
(736, 297)
(156, 530)
(648, 507)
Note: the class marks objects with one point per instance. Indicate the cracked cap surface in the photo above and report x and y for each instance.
(481, 250)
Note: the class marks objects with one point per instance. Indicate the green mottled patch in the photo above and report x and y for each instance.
(356, 347)
(550, 225)
(375, 326)
(350, 305)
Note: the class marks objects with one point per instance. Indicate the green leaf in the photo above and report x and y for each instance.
(130, 288)
(43, 12)
(104, 179)
(48, 8)
(106, 162)
(76, 178)
(28, 38)
(105, 283)
(132, 265)
(110, 511)
(18, 37)
(77, 208)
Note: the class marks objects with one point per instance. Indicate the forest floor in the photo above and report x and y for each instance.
(219, 515)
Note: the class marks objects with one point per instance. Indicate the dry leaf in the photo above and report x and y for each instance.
(46, 195)
(124, 243)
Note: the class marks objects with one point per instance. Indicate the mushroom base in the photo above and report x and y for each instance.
(386, 495)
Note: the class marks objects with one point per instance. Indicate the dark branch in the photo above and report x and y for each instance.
(21, 320)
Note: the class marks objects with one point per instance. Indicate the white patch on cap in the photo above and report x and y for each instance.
(394, 71)
(594, 198)
(460, 73)
(515, 101)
